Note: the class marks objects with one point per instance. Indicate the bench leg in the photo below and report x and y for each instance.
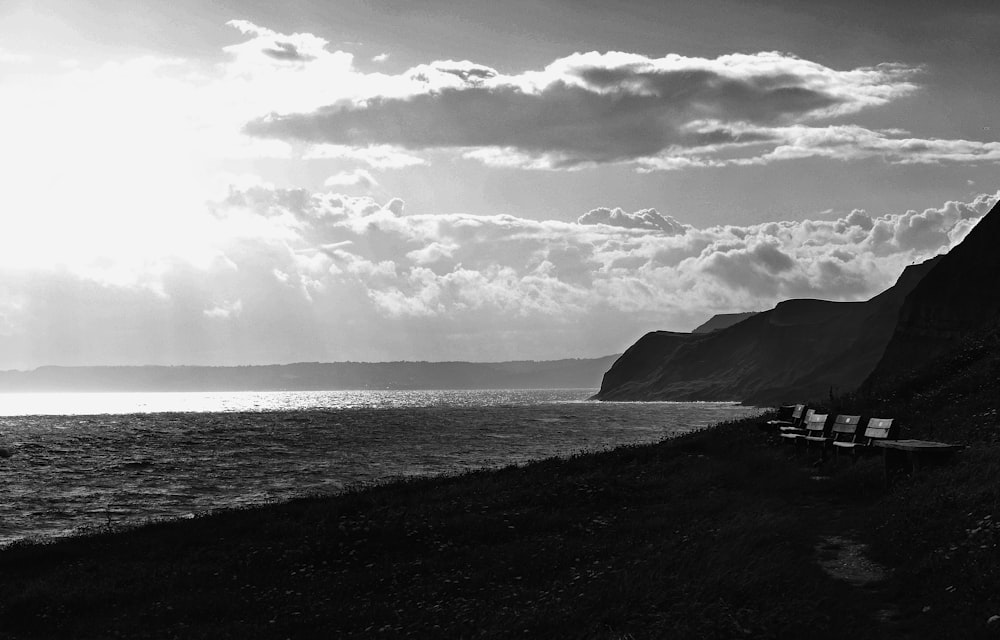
(895, 463)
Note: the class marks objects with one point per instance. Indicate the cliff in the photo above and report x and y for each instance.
(960, 297)
(800, 349)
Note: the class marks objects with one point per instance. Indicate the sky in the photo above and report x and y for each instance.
(254, 182)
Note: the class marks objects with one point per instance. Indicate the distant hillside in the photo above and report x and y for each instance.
(801, 349)
(722, 321)
(553, 374)
(958, 298)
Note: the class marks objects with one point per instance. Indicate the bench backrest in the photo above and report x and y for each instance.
(878, 429)
(797, 411)
(816, 422)
(845, 427)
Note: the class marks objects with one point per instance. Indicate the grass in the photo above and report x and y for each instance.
(942, 531)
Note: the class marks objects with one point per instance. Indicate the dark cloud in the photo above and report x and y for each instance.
(466, 71)
(562, 120)
(286, 51)
(757, 98)
(594, 108)
(577, 124)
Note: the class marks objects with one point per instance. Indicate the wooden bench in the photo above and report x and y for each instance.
(876, 430)
(909, 456)
(844, 429)
(800, 428)
(788, 416)
(814, 425)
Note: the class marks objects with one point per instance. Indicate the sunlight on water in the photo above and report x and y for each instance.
(41, 404)
(129, 457)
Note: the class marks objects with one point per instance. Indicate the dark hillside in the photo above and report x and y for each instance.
(643, 360)
(954, 397)
(799, 349)
(958, 297)
(940, 529)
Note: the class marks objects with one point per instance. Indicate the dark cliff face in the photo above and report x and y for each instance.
(959, 297)
(799, 350)
(642, 361)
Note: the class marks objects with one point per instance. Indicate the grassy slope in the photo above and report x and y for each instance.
(943, 529)
(710, 535)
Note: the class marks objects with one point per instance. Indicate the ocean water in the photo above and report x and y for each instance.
(82, 460)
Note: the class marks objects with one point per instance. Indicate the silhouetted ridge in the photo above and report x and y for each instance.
(800, 349)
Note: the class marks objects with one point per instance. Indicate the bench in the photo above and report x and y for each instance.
(814, 425)
(844, 429)
(876, 430)
(788, 416)
(908, 456)
(799, 428)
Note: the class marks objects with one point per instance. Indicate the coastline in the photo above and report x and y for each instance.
(711, 534)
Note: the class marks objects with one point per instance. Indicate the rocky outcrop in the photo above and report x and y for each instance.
(958, 298)
(801, 349)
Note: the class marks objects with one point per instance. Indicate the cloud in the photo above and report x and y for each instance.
(592, 107)
(353, 178)
(382, 57)
(225, 310)
(13, 57)
(849, 142)
(292, 96)
(123, 263)
(298, 47)
(375, 156)
(836, 142)
(669, 113)
(642, 219)
(291, 274)
(286, 51)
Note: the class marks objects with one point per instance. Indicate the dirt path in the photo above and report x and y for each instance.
(841, 553)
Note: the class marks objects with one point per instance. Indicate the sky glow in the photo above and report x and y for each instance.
(256, 188)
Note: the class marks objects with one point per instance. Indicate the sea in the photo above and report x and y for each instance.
(83, 461)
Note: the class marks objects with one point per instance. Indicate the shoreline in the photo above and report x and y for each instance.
(710, 534)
